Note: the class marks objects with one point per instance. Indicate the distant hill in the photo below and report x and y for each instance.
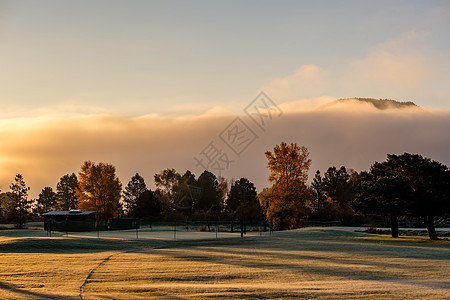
(381, 104)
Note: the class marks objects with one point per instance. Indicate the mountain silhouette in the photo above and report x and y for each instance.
(381, 104)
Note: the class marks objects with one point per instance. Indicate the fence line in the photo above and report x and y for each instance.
(178, 227)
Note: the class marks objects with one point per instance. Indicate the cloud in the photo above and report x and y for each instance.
(65, 108)
(401, 68)
(392, 68)
(387, 69)
(305, 105)
(304, 83)
(46, 148)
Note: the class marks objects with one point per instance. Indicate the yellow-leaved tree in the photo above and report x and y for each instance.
(99, 189)
(287, 201)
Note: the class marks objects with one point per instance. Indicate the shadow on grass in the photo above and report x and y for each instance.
(278, 254)
(16, 289)
(73, 245)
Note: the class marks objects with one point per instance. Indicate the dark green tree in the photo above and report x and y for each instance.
(185, 192)
(21, 204)
(135, 188)
(406, 184)
(166, 183)
(66, 192)
(7, 208)
(241, 203)
(47, 200)
(333, 194)
(382, 191)
(148, 206)
(210, 200)
(318, 188)
(336, 186)
(189, 178)
(428, 182)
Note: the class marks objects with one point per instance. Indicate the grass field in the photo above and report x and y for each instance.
(307, 263)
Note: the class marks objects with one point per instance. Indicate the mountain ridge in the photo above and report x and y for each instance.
(381, 104)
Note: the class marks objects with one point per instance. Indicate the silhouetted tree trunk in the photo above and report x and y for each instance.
(232, 224)
(394, 225)
(429, 223)
(20, 223)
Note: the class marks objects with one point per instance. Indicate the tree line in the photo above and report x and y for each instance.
(97, 187)
(16, 207)
(403, 185)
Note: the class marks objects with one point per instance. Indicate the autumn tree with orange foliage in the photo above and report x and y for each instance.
(99, 189)
(288, 200)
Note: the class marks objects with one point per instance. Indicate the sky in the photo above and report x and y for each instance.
(147, 85)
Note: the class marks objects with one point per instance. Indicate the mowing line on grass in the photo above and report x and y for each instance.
(82, 296)
(90, 275)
